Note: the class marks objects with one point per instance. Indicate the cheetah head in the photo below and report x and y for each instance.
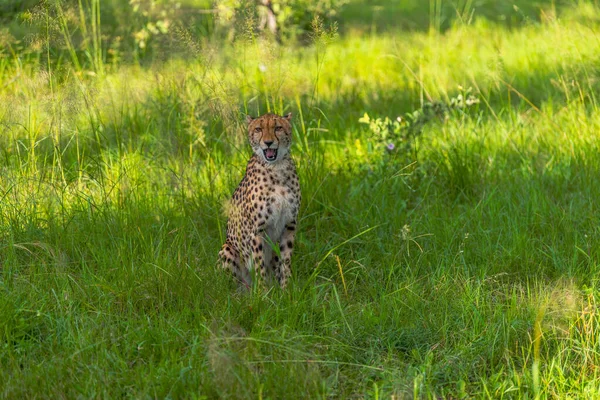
(270, 136)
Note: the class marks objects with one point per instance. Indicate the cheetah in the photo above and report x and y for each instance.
(263, 211)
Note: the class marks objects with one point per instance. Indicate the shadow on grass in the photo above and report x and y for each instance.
(137, 280)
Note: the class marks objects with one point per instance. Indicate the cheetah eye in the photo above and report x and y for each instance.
(278, 129)
(258, 130)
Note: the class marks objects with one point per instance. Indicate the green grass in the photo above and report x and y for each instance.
(463, 265)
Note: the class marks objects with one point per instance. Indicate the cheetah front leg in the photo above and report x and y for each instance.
(286, 246)
(258, 255)
(230, 260)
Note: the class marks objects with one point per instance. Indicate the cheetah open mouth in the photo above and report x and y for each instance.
(270, 154)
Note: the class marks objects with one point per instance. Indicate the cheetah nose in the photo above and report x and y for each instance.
(268, 143)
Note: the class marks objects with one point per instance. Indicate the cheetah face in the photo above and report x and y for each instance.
(270, 136)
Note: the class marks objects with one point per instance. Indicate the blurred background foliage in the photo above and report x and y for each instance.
(149, 30)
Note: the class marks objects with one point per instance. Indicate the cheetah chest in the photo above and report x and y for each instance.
(283, 210)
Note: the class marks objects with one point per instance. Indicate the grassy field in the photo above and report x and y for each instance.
(462, 264)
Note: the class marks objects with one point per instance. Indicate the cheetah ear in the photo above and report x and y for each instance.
(288, 116)
(249, 118)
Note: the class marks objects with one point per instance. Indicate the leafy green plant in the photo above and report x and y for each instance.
(393, 134)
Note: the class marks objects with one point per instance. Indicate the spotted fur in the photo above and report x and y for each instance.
(264, 208)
